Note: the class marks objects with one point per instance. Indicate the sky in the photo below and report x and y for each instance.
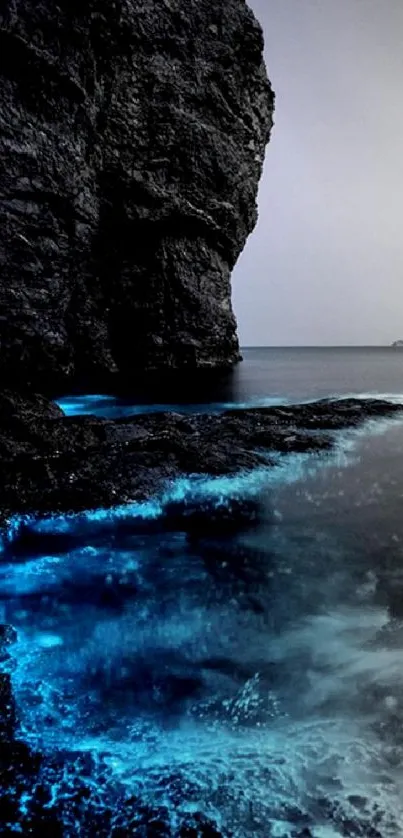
(325, 263)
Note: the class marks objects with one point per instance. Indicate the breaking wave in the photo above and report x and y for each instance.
(254, 679)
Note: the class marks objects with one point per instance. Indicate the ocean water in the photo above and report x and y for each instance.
(256, 678)
(266, 376)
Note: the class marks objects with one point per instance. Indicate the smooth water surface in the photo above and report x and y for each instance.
(266, 376)
(257, 679)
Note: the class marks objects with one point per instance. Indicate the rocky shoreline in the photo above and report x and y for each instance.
(133, 137)
(53, 463)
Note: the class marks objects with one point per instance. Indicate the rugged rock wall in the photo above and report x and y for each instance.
(132, 136)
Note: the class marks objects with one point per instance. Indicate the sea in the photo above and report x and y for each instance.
(267, 376)
(253, 681)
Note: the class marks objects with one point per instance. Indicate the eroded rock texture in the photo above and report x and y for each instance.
(132, 135)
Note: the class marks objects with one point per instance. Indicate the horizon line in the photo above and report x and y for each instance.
(318, 346)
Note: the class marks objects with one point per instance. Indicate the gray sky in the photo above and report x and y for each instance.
(325, 265)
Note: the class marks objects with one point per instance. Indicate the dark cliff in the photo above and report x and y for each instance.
(132, 136)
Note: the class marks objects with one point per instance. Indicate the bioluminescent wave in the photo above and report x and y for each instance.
(211, 491)
(253, 679)
(114, 407)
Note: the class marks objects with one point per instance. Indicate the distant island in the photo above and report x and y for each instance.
(398, 344)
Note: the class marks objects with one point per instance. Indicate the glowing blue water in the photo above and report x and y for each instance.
(268, 376)
(113, 407)
(256, 678)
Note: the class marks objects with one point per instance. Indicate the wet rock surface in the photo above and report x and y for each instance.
(50, 462)
(132, 138)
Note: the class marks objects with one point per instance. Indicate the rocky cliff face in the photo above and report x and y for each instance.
(132, 136)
